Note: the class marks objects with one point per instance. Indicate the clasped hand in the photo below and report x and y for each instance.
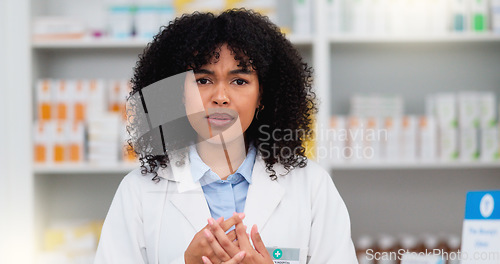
(213, 246)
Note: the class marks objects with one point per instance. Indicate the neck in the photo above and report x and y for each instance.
(223, 158)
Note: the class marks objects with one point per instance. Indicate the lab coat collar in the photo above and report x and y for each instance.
(263, 196)
(184, 193)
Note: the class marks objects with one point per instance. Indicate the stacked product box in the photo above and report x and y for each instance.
(80, 120)
(415, 17)
(455, 127)
(138, 18)
(446, 115)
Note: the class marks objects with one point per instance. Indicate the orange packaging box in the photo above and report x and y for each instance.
(44, 95)
(42, 141)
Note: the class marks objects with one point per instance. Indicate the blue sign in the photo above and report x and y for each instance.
(483, 205)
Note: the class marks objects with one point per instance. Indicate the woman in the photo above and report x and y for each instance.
(232, 155)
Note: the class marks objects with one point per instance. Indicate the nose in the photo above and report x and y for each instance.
(220, 96)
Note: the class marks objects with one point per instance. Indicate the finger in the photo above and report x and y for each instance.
(219, 220)
(206, 260)
(231, 235)
(237, 258)
(220, 235)
(214, 244)
(257, 241)
(242, 237)
(233, 220)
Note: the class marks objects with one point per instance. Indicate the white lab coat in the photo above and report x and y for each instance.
(302, 210)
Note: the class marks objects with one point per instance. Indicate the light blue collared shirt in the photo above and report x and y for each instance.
(224, 197)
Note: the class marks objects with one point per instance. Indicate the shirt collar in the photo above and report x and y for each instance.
(200, 169)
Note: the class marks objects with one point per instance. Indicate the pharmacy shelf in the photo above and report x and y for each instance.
(105, 43)
(85, 168)
(89, 43)
(451, 37)
(407, 165)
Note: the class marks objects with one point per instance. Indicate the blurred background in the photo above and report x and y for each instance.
(408, 93)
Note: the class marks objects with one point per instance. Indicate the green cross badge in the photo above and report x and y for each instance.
(277, 253)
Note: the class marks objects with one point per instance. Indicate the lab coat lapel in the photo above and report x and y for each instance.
(187, 196)
(263, 196)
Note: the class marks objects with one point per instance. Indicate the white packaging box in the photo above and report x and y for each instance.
(147, 22)
(390, 105)
(302, 17)
(117, 91)
(359, 11)
(490, 144)
(43, 141)
(391, 148)
(495, 16)
(335, 16)
(120, 21)
(96, 99)
(427, 139)
(337, 139)
(439, 22)
(76, 142)
(62, 99)
(60, 142)
(396, 17)
(44, 99)
(379, 9)
(468, 110)
(409, 138)
(448, 144)
(416, 12)
(373, 138)
(104, 144)
(58, 27)
(460, 16)
(487, 109)
(355, 132)
(446, 110)
(79, 101)
(72, 99)
(469, 144)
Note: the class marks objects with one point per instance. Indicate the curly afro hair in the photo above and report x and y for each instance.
(191, 41)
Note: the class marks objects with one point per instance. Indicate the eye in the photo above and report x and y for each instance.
(240, 82)
(202, 81)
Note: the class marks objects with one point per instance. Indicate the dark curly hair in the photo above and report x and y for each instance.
(191, 41)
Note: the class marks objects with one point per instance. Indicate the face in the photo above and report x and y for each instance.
(221, 97)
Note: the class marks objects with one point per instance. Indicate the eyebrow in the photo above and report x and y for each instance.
(238, 71)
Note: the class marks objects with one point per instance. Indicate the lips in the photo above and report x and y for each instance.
(220, 119)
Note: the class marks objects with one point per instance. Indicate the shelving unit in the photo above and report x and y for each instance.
(410, 197)
(390, 197)
(448, 38)
(68, 169)
(436, 165)
(107, 43)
